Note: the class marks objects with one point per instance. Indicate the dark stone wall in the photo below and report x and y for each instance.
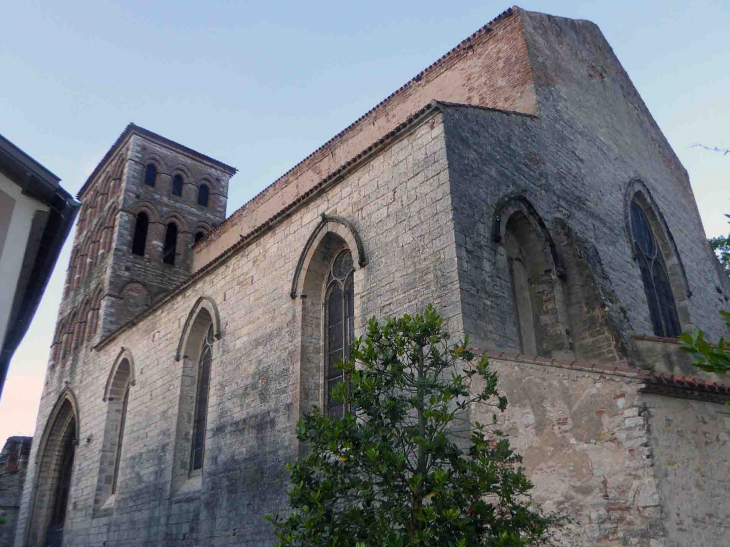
(573, 163)
(13, 468)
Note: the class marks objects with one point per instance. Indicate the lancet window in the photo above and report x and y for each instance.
(201, 402)
(662, 307)
(339, 325)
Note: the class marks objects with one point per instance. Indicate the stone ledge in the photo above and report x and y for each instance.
(662, 384)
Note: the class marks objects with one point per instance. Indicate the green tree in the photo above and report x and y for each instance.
(706, 356)
(721, 246)
(392, 471)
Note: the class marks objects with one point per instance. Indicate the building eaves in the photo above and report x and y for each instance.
(332, 178)
(36, 180)
(136, 129)
(244, 239)
(417, 78)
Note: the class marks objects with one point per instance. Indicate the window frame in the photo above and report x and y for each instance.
(172, 250)
(206, 348)
(174, 186)
(345, 283)
(659, 313)
(146, 180)
(207, 195)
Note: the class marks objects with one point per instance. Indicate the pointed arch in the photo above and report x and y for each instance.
(329, 224)
(207, 303)
(54, 470)
(509, 204)
(638, 194)
(529, 260)
(129, 376)
(67, 395)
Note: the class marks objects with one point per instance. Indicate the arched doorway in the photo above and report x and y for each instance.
(55, 470)
(54, 536)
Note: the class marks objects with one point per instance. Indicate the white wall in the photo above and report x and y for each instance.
(13, 241)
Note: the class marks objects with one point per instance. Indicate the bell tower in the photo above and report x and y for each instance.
(144, 206)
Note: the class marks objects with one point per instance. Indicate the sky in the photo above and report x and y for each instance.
(260, 85)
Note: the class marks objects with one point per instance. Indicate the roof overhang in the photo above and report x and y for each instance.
(49, 231)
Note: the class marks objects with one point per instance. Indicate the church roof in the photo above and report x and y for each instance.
(136, 129)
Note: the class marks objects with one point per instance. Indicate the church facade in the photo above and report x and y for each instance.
(519, 184)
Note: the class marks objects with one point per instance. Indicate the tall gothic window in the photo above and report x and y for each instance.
(203, 195)
(662, 308)
(118, 456)
(168, 255)
(177, 185)
(150, 174)
(339, 325)
(140, 234)
(201, 402)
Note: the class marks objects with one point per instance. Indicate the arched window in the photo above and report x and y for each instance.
(203, 195)
(150, 174)
(339, 324)
(120, 438)
(662, 308)
(537, 291)
(140, 234)
(199, 236)
(63, 486)
(195, 352)
(201, 402)
(168, 255)
(177, 185)
(54, 473)
(116, 395)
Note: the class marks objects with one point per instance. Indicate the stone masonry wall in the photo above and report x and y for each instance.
(13, 467)
(399, 203)
(691, 445)
(585, 446)
(574, 164)
(491, 68)
(132, 274)
(630, 468)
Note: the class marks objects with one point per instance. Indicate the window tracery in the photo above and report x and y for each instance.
(339, 325)
(659, 297)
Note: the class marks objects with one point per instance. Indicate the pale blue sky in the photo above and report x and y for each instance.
(260, 85)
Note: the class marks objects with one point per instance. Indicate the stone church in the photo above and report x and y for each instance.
(519, 184)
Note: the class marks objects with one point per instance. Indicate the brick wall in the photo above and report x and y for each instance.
(491, 69)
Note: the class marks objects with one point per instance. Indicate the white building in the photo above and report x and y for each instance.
(36, 215)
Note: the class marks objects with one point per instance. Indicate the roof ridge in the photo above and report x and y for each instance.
(245, 238)
(133, 128)
(417, 78)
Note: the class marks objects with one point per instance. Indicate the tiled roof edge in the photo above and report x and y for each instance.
(464, 43)
(277, 217)
(645, 376)
(132, 128)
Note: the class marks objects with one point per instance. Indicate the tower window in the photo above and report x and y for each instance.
(199, 236)
(177, 185)
(168, 256)
(140, 234)
(662, 308)
(203, 195)
(150, 174)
